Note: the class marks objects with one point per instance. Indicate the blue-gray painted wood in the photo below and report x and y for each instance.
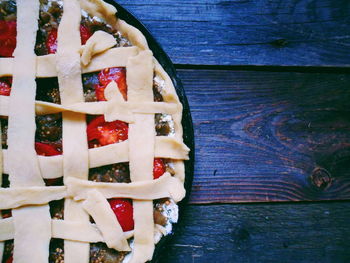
(269, 136)
(259, 233)
(249, 32)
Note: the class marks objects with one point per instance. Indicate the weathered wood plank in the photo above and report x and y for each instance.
(242, 32)
(269, 136)
(263, 233)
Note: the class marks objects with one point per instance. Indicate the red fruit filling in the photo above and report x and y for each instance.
(158, 168)
(9, 260)
(45, 149)
(124, 212)
(51, 42)
(85, 34)
(6, 213)
(102, 133)
(8, 34)
(5, 86)
(106, 76)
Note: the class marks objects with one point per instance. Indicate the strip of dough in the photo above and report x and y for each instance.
(170, 95)
(76, 231)
(70, 230)
(98, 207)
(35, 195)
(4, 105)
(1, 170)
(112, 110)
(141, 152)
(100, 41)
(133, 34)
(46, 65)
(100, 9)
(165, 186)
(170, 148)
(123, 110)
(6, 67)
(112, 153)
(23, 164)
(32, 224)
(165, 147)
(7, 229)
(75, 148)
(115, 57)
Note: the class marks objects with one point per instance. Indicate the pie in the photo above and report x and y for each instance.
(92, 153)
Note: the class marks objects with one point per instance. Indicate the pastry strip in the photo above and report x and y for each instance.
(133, 34)
(2, 245)
(141, 152)
(100, 9)
(30, 223)
(98, 207)
(75, 158)
(118, 110)
(100, 41)
(70, 230)
(165, 147)
(124, 110)
(4, 105)
(35, 195)
(170, 95)
(115, 57)
(165, 186)
(76, 231)
(7, 229)
(6, 67)
(46, 65)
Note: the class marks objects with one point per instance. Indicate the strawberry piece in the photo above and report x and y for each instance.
(6, 213)
(124, 212)
(5, 86)
(53, 182)
(51, 42)
(45, 149)
(158, 168)
(106, 76)
(85, 34)
(8, 34)
(106, 132)
(9, 260)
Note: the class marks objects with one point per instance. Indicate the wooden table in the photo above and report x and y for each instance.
(269, 90)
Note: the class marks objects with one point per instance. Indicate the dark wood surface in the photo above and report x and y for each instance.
(249, 32)
(249, 233)
(269, 136)
(263, 134)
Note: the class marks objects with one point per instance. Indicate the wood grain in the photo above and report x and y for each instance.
(274, 233)
(249, 32)
(269, 136)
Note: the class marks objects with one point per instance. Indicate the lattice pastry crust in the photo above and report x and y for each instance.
(31, 226)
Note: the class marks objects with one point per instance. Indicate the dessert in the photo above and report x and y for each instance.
(92, 150)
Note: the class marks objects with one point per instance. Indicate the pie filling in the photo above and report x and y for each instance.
(100, 133)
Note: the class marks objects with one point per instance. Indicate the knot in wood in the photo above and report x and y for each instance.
(279, 42)
(321, 178)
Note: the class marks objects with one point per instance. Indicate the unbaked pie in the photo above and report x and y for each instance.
(92, 149)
